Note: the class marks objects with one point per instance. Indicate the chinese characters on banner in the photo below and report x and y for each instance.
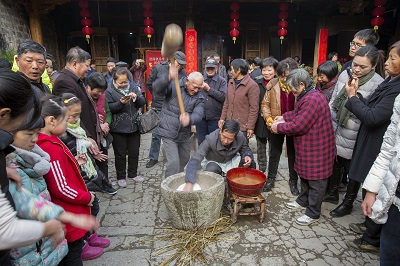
(191, 51)
(153, 57)
(323, 45)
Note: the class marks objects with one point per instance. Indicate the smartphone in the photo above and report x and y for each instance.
(350, 73)
(126, 97)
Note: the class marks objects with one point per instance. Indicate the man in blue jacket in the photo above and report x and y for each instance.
(214, 96)
(222, 150)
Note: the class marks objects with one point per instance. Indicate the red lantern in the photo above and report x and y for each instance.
(380, 2)
(283, 15)
(83, 4)
(234, 33)
(85, 13)
(235, 7)
(147, 4)
(148, 22)
(378, 12)
(234, 24)
(87, 31)
(283, 6)
(283, 24)
(147, 13)
(86, 22)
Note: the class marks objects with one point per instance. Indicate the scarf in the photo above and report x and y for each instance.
(35, 163)
(285, 88)
(122, 91)
(338, 105)
(82, 143)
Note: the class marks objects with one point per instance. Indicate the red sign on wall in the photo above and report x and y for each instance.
(153, 57)
(191, 51)
(323, 45)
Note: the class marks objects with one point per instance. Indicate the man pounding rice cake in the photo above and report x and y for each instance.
(222, 150)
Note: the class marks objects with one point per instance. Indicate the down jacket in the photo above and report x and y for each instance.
(32, 202)
(346, 135)
(384, 176)
(170, 127)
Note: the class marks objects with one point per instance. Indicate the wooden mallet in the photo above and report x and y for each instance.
(172, 41)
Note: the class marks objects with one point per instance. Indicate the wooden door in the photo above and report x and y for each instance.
(100, 48)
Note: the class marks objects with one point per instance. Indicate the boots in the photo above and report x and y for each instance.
(269, 184)
(95, 241)
(346, 207)
(332, 194)
(90, 253)
(293, 186)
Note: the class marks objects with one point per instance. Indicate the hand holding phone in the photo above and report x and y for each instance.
(350, 73)
(126, 97)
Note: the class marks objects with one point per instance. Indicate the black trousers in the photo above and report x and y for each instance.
(311, 196)
(103, 166)
(126, 144)
(262, 158)
(276, 143)
(73, 257)
(373, 233)
(5, 259)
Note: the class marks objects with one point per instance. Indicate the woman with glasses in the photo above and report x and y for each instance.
(277, 101)
(124, 100)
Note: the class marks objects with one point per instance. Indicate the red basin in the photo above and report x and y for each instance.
(245, 181)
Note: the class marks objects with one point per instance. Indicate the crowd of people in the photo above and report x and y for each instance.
(340, 132)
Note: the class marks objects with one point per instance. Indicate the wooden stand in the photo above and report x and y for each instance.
(257, 202)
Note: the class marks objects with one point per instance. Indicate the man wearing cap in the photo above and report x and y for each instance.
(175, 128)
(214, 96)
(153, 83)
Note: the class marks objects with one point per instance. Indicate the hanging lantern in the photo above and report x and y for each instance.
(234, 23)
(234, 34)
(148, 22)
(282, 24)
(85, 22)
(378, 12)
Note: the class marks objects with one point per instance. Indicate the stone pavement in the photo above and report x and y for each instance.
(137, 212)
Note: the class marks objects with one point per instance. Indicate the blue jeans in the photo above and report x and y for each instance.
(155, 145)
(205, 127)
(390, 239)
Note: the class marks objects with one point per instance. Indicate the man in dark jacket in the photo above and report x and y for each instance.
(221, 151)
(158, 98)
(31, 61)
(256, 73)
(214, 96)
(175, 128)
(110, 63)
(71, 80)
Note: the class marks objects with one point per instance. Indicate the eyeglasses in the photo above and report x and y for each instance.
(356, 45)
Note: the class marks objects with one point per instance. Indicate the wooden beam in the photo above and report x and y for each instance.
(33, 10)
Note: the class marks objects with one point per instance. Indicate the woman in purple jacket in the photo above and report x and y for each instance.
(314, 141)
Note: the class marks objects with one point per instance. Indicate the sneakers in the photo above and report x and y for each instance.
(90, 253)
(122, 183)
(294, 205)
(358, 228)
(151, 163)
(305, 220)
(95, 241)
(107, 188)
(138, 178)
(359, 244)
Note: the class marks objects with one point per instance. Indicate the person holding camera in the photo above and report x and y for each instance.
(138, 69)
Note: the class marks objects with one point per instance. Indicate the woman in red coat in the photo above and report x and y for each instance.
(314, 141)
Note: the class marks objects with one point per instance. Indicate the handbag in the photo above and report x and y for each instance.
(147, 121)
